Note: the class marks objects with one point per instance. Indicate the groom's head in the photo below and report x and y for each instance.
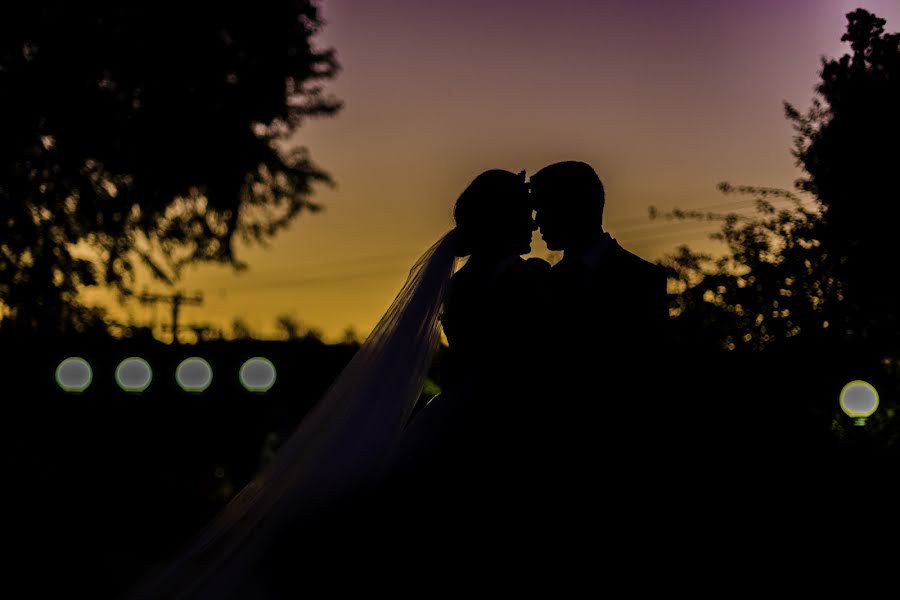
(569, 199)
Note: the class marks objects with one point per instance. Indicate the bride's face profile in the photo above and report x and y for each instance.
(494, 215)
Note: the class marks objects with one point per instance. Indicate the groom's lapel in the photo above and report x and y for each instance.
(571, 274)
(589, 271)
(597, 260)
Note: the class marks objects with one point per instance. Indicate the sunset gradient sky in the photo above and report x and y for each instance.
(664, 98)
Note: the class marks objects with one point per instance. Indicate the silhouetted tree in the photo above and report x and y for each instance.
(819, 271)
(293, 329)
(848, 144)
(205, 332)
(807, 289)
(289, 326)
(149, 132)
(240, 330)
(773, 283)
(350, 336)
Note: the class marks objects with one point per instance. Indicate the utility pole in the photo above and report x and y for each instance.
(176, 300)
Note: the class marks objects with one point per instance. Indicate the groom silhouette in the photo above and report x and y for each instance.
(604, 331)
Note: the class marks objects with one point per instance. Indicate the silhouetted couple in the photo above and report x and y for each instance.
(546, 422)
(551, 404)
(550, 429)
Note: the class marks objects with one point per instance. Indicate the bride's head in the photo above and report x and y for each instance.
(494, 215)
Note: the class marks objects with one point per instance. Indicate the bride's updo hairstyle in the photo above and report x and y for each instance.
(487, 212)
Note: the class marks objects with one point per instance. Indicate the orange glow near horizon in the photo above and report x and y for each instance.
(664, 99)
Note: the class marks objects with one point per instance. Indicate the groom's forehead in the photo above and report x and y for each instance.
(542, 189)
(545, 182)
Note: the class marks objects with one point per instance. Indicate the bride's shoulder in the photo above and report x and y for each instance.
(513, 271)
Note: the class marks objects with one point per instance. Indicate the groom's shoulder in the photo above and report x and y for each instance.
(631, 263)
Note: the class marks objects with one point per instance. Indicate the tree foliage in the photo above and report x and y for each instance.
(806, 294)
(773, 283)
(815, 266)
(848, 145)
(149, 132)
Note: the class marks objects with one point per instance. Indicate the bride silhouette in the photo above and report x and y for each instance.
(360, 440)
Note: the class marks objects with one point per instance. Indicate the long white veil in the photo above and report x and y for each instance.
(341, 447)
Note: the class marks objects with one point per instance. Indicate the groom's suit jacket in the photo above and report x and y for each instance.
(607, 335)
(611, 308)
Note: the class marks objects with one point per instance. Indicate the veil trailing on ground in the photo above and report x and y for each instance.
(341, 447)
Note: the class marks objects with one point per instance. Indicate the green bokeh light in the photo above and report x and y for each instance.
(258, 374)
(134, 374)
(859, 400)
(74, 374)
(194, 374)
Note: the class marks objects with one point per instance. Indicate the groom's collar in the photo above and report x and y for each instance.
(596, 254)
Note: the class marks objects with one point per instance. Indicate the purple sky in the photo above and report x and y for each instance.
(664, 98)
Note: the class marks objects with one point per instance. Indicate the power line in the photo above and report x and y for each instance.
(687, 238)
(354, 275)
(644, 241)
(662, 228)
(356, 261)
(684, 231)
(704, 228)
(643, 223)
(313, 280)
(734, 204)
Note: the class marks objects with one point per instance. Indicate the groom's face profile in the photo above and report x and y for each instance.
(569, 200)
